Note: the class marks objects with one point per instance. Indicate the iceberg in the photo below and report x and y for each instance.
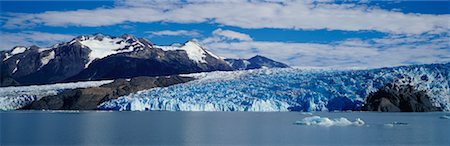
(327, 122)
(287, 89)
(445, 117)
(396, 124)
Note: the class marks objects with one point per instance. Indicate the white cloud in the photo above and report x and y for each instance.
(232, 35)
(189, 33)
(304, 15)
(390, 51)
(220, 35)
(27, 38)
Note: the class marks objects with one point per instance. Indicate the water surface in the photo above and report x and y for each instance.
(217, 128)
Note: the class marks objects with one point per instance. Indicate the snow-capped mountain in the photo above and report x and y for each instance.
(150, 60)
(254, 63)
(99, 56)
(102, 46)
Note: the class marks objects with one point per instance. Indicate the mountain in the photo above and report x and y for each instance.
(146, 59)
(254, 63)
(99, 56)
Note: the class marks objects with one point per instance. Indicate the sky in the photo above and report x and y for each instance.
(325, 33)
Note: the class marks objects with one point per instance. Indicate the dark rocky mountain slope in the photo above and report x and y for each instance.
(254, 63)
(98, 56)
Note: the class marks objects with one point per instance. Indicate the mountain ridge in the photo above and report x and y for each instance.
(99, 56)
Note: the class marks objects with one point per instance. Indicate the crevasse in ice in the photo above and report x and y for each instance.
(288, 89)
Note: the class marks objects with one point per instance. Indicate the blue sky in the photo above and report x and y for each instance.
(300, 33)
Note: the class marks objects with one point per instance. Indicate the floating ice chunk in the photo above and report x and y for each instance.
(327, 122)
(445, 117)
(307, 113)
(396, 124)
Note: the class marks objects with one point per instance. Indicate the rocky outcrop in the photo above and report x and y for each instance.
(89, 98)
(8, 81)
(399, 98)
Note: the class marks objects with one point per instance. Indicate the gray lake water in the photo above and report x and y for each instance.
(217, 128)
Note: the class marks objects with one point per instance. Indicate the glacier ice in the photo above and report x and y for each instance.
(289, 89)
(327, 122)
(16, 97)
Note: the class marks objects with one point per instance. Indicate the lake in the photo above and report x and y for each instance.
(218, 128)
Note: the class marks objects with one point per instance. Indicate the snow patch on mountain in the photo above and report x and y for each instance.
(212, 54)
(46, 59)
(16, 97)
(106, 46)
(193, 49)
(45, 49)
(194, 52)
(16, 50)
(15, 69)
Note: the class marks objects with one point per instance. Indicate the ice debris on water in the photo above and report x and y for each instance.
(396, 124)
(327, 122)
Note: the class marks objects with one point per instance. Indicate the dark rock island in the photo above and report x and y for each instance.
(399, 98)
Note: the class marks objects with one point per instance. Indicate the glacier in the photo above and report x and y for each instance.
(17, 97)
(288, 89)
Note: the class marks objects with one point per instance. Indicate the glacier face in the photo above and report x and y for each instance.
(17, 97)
(288, 89)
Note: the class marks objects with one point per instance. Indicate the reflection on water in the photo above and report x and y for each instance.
(216, 128)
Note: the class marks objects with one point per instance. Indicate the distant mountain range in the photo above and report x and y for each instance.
(99, 56)
(254, 63)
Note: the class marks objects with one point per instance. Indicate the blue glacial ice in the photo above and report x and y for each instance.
(290, 89)
(17, 97)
